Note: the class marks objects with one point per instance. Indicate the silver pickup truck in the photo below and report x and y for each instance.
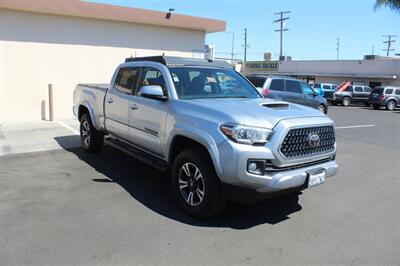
(207, 127)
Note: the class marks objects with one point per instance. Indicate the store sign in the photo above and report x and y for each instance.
(262, 66)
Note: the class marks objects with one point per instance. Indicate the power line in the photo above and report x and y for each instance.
(389, 43)
(281, 20)
(337, 48)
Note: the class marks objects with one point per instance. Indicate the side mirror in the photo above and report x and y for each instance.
(153, 92)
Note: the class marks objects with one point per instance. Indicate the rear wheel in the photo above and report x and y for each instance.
(196, 185)
(390, 105)
(346, 101)
(376, 106)
(91, 139)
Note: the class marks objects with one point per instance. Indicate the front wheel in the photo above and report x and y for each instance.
(91, 139)
(390, 105)
(196, 185)
(322, 108)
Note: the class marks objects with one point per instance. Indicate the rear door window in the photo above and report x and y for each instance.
(358, 89)
(126, 79)
(317, 86)
(397, 92)
(388, 91)
(293, 86)
(277, 85)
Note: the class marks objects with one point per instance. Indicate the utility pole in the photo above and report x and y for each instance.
(281, 20)
(337, 48)
(233, 45)
(373, 50)
(389, 43)
(245, 47)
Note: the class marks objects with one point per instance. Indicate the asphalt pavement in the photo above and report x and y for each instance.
(63, 206)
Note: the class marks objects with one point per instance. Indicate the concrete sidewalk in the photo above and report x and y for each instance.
(23, 137)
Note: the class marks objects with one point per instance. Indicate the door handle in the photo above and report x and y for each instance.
(134, 107)
(110, 100)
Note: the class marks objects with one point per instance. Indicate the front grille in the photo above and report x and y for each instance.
(298, 142)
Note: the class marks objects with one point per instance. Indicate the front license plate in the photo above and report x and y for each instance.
(316, 179)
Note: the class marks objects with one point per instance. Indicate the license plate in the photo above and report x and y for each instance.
(316, 179)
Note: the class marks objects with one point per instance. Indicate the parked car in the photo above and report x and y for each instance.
(322, 88)
(290, 90)
(388, 97)
(346, 94)
(219, 142)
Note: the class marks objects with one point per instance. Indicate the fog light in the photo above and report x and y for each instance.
(252, 167)
(256, 167)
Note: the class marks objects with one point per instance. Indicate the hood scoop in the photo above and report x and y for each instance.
(276, 105)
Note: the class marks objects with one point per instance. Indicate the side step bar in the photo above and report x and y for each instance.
(138, 154)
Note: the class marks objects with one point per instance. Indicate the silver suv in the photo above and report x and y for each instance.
(208, 127)
(388, 97)
(290, 90)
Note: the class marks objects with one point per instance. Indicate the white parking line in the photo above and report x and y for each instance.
(358, 126)
(76, 132)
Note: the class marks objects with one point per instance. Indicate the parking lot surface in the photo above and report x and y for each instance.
(63, 206)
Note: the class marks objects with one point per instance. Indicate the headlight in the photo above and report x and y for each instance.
(247, 135)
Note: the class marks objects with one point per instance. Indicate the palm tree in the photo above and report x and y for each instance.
(392, 4)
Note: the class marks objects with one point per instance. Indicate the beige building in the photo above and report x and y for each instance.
(373, 72)
(66, 42)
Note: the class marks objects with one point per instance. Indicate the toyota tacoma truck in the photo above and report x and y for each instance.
(209, 129)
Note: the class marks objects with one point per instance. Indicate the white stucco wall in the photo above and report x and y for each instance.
(37, 49)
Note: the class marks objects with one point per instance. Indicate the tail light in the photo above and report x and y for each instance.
(265, 92)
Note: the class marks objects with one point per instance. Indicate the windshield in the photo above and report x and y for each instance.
(202, 82)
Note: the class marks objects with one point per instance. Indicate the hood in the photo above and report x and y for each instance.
(252, 112)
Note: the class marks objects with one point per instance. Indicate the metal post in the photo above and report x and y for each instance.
(51, 114)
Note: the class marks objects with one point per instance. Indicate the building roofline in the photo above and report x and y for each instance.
(344, 75)
(83, 9)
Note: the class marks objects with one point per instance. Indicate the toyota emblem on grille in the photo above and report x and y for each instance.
(314, 141)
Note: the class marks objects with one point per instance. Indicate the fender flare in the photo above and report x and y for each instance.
(200, 137)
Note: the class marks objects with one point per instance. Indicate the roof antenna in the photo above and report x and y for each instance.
(169, 13)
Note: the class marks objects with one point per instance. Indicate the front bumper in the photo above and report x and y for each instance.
(285, 175)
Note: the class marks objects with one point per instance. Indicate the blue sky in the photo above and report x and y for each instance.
(313, 26)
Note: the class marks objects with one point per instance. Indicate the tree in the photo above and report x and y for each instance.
(392, 4)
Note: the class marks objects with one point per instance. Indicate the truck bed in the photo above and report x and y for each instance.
(94, 94)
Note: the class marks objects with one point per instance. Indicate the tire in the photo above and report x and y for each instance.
(346, 101)
(322, 108)
(376, 106)
(91, 139)
(193, 174)
(390, 105)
